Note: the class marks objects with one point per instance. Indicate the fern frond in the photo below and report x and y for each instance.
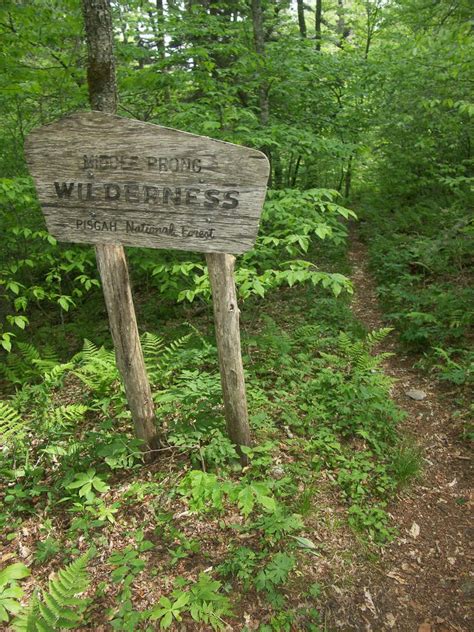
(54, 373)
(376, 336)
(65, 415)
(26, 620)
(151, 344)
(12, 426)
(158, 358)
(63, 448)
(345, 343)
(28, 352)
(97, 368)
(27, 363)
(89, 350)
(59, 608)
(306, 332)
(358, 352)
(170, 350)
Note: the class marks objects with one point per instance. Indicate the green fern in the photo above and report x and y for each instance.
(12, 426)
(158, 358)
(358, 352)
(65, 415)
(27, 364)
(53, 375)
(375, 337)
(59, 608)
(97, 368)
(89, 350)
(152, 346)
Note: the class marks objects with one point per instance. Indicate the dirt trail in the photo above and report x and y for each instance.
(424, 580)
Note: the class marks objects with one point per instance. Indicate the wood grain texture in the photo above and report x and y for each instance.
(102, 178)
(113, 270)
(226, 318)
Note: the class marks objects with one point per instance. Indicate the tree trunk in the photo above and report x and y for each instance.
(259, 41)
(348, 178)
(160, 29)
(111, 259)
(101, 61)
(301, 20)
(317, 24)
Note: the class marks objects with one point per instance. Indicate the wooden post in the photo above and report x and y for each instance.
(111, 259)
(226, 316)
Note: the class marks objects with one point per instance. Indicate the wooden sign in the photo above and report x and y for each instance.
(105, 179)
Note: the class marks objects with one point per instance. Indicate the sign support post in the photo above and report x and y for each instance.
(226, 318)
(111, 259)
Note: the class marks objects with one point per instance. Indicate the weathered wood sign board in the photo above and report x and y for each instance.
(105, 179)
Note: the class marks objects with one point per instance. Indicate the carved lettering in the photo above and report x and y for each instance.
(173, 164)
(196, 232)
(192, 196)
(152, 195)
(132, 193)
(134, 227)
(211, 198)
(91, 224)
(104, 162)
(230, 199)
(87, 196)
(168, 193)
(112, 192)
(64, 190)
(114, 162)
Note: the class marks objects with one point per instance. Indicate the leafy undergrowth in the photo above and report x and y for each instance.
(422, 259)
(192, 537)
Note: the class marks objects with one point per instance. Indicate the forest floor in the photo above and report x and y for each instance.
(423, 580)
(419, 582)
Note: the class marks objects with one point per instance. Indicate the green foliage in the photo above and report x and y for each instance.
(87, 483)
(202, 600)
(34, 270)
(47, 549)
(241, 564)
(10, 590)
(418, 267)
(11, 423)
(128, 564)
(59, 607)
(275, 572)
(358, 352)
(205, 491)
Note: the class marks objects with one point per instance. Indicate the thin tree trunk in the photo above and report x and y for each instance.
(348, 178)
(111, 259)
(301, 20)
(317, 24)
(295, 172)
(259, 41)
(158, 28)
